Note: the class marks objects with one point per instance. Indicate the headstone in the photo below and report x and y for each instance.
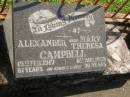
(51, 39)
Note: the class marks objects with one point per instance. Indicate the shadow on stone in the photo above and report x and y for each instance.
(128, 40)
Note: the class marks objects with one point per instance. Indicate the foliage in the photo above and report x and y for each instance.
(113, 8)
(7, 5)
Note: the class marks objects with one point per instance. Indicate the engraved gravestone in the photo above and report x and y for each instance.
(50, 39)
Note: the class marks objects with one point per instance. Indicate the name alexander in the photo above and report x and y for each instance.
(41, 43)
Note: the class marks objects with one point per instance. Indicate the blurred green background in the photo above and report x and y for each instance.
(7, 5)
(113, 8)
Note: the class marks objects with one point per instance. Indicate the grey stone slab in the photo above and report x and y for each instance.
(51, 39)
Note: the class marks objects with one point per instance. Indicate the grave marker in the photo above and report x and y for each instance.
(51, 39)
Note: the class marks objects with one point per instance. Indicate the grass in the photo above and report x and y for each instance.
(7, 5)
(117, 4)
(113, 8)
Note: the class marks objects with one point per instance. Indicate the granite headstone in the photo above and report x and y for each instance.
(51, 39)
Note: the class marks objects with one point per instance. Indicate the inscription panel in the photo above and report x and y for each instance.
(53, 39)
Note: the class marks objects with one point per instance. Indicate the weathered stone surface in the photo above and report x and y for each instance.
(118, 53)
